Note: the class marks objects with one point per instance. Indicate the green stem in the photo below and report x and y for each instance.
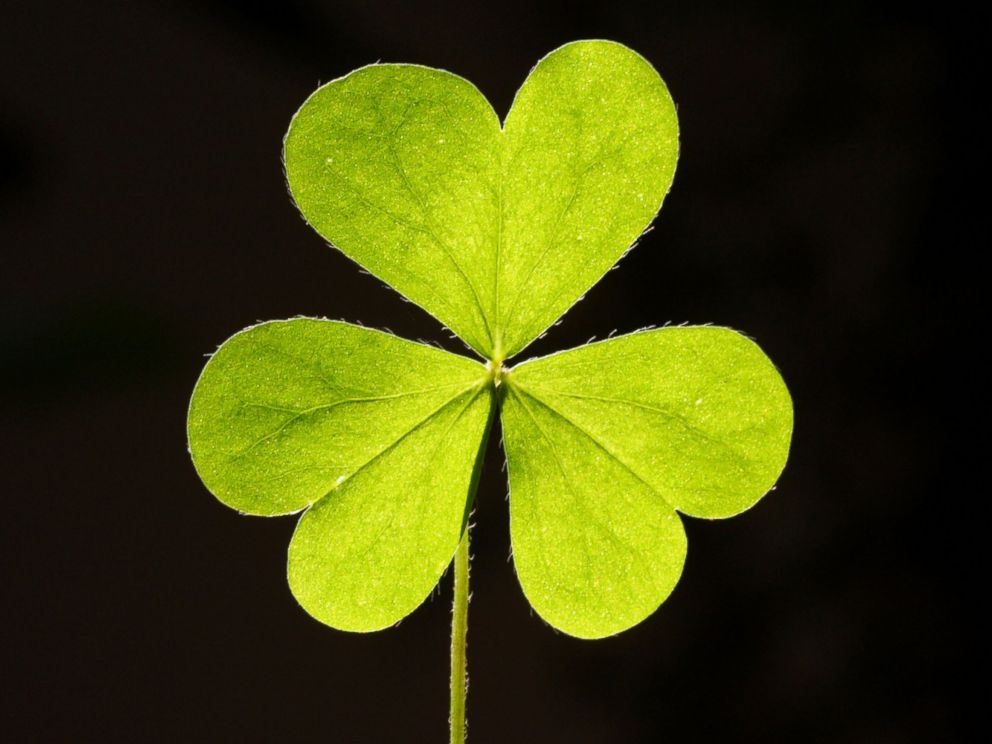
(459, 631)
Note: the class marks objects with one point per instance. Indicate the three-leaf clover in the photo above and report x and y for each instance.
(496, 230)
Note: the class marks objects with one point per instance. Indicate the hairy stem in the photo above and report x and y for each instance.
(459, 631)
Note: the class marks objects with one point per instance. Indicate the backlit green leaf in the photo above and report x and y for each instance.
(496, 230)
(496, 233)
(606, 441)
(382, 434)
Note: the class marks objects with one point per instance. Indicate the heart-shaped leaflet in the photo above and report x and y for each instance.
(494, 231)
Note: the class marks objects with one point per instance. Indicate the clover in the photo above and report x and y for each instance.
(496, 230)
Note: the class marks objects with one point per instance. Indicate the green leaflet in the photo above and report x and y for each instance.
(606, 441)
(381, 433)
(495, 232)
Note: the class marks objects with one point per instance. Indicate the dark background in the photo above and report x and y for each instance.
(144, 219)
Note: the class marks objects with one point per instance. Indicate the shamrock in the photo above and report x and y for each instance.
(496, 230)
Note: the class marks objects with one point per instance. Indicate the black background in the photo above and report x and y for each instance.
(145, 219)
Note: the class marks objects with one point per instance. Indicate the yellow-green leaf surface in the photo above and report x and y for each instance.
(605, 442)
(381, 435)
(495, 231)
